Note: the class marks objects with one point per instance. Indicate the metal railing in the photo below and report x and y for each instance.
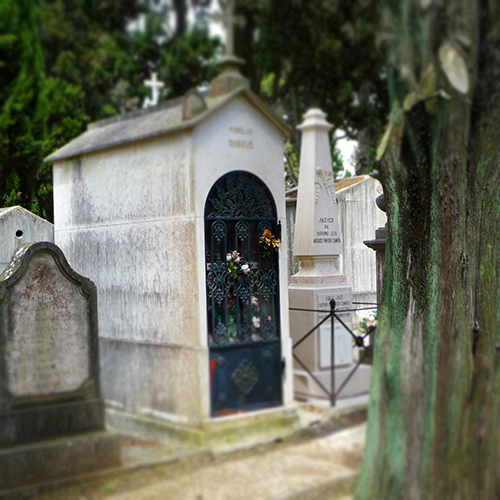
(359, 342)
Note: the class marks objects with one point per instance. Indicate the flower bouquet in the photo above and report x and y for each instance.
(268, 243)
(235, 264)
(367, 321)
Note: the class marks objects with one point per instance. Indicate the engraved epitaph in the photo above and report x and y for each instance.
(49, 372)
(317, 213)
(47, 347)
(48, 332)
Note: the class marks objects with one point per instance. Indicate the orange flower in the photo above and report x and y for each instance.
(268, 242)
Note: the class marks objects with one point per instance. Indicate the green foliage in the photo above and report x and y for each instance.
(326, 54)
(291, 166)
(189, 62)
(67, 62)
(23, 111)
(337, 162)
(320, 53)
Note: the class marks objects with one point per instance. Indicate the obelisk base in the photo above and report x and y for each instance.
(310, 289)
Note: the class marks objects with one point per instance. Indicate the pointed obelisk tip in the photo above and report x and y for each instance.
(314, 118)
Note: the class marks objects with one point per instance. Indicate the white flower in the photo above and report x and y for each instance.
(245, 268)
(256, 322)
(228, 257)
(366, 315)
(362, 315)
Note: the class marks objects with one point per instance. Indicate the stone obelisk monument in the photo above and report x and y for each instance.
(318, 247)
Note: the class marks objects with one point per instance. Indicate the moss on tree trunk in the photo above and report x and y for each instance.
(434, 411)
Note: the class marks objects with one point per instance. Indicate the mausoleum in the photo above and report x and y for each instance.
(174, 212)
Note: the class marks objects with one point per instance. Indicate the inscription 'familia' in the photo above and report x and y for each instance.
(237, 143)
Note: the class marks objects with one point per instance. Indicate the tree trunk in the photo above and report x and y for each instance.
(433, 430)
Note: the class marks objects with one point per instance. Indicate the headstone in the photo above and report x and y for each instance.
(318, 245)
(19, 226)
(149, 204)
(51, 413)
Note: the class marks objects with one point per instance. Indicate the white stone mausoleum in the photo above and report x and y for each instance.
(148, 205)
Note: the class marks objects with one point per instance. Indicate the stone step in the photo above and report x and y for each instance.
(58, 458)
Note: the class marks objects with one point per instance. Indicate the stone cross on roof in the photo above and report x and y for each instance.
(155, 85)
(229, 19)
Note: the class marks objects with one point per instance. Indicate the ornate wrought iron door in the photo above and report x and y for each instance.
(242, 295)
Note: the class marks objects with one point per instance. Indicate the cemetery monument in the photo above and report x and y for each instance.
(170, 210)
(51, 412)
(318, 246)
(357, 215)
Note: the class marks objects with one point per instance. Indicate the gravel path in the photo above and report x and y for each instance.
(321, 462)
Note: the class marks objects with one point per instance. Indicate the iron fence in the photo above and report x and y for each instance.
(359, 342)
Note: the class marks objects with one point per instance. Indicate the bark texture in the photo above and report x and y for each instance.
(434, 413)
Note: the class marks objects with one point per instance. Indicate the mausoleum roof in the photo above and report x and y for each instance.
(164, 118)
(18, 211)
(347, 182)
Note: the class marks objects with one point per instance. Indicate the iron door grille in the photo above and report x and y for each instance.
(242, 295)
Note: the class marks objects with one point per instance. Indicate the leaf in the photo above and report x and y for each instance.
(413, 98)
(410, 100)
(427, 83)
(384, 142)
(454, 67)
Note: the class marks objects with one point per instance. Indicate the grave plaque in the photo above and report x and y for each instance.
(49, 371)
(343, 340)
(47, 314)
(46, 351)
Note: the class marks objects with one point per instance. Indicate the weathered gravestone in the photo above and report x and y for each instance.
(19, 226)
(51, 413)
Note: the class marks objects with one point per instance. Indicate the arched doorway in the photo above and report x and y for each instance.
(242, 295)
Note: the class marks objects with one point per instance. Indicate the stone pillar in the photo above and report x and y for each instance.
(378, 244)
(318, 247)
